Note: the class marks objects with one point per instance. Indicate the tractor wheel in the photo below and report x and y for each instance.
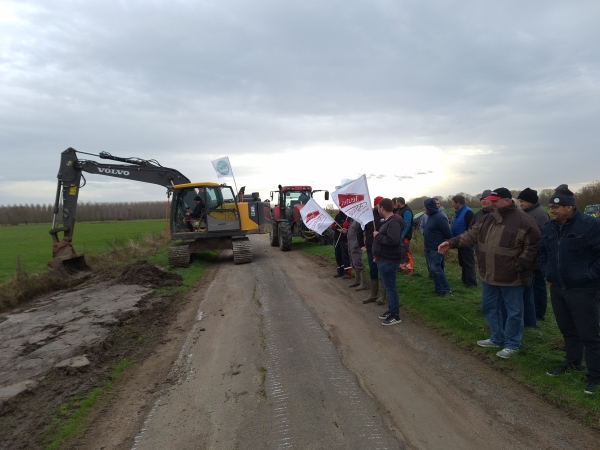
(273, 236)
(285, 236)
(327, 237)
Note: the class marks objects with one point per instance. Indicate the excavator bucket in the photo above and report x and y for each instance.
(69, 266)
(66, 262)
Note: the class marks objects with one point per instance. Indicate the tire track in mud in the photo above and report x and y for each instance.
(344, 416)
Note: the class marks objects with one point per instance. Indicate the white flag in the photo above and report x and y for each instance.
(222, 167)
(315, 218)
(354, 200)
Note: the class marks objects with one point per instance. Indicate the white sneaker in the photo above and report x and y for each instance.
(505, 353)
(486, 343)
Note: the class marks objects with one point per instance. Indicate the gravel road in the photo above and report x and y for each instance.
(278, 355)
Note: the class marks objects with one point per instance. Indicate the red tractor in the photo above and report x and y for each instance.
(287, 221)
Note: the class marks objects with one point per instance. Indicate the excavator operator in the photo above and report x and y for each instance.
(197, 213)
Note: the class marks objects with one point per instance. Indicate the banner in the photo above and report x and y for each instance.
(315, 218)
(222, 167)
(354, 200)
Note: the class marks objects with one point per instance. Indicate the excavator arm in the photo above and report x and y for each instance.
(70, 175)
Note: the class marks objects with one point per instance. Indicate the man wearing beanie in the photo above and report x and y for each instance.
(570, 259)
(530, 204)
(507, 246)
(365, 240)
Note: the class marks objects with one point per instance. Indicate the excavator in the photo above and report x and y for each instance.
(224, 222)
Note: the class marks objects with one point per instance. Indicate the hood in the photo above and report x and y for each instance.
(430, 205)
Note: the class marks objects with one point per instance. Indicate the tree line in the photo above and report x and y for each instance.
(86, 212)
(587, 195)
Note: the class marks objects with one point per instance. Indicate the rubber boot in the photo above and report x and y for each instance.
(383, 294)
(356, 279)
(374, 292)
(364, 284)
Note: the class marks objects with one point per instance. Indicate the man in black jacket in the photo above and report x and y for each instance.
(570, 259)
(365, 241)
(340, 240)
(387, 255)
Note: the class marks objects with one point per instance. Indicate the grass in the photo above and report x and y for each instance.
(23, 285)
(459, 319)
(34, 243)
(70, 418)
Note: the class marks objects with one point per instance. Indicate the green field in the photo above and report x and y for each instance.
(34, 243)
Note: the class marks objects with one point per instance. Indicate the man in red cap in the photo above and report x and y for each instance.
(365, 240)
(507, 247)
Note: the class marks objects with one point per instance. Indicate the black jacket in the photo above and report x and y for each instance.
(388, 243)
(570, 255)
(340, 218)
(365, 237)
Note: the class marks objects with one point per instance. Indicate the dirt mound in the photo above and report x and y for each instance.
(144, 273)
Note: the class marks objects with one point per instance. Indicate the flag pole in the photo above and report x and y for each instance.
(235, 184)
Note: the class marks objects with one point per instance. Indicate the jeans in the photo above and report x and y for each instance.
(373, 273)
(493, 299)
(434, 261)
(540, 294)
(577, 314)
(388, 272)
(466, 260)
(529, 320)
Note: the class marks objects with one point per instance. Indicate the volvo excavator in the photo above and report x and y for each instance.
(224, 222)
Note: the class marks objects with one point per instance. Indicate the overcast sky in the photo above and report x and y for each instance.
(425, 97)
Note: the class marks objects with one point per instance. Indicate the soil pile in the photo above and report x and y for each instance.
(147, 274)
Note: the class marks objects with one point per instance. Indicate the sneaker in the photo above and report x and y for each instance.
(385, 315)
(591, 387)
(487, 343)
(337, 275)
(506, 353)
(391, 321)
(443, 294)
(567, 368)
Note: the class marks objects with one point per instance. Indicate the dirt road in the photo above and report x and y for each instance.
(277, 354)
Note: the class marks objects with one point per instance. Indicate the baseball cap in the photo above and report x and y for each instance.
(485, 194)
(498, 194)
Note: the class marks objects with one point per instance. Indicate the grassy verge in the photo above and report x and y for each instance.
(69, 421)
(460, 320)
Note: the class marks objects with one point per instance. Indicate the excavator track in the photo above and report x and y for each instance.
(242, 251)
(179, 256)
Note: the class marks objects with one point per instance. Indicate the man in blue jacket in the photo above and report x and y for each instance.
(570, 260)
(466, 255)
(435, 232)
(387, 243)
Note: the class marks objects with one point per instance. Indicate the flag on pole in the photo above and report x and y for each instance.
(315, 218)
(222, 167)
(354, 200)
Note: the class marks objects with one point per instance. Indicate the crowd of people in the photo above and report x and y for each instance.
(517, 248)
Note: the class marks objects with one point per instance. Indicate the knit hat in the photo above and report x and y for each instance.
(430, 205)
(499, 193)
(485, 194)
(377, 200)
(562, 196)
(529, 195)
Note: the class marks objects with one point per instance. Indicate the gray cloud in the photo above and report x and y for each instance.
(184, 81)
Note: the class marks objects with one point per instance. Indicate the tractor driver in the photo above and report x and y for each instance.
(304, 198)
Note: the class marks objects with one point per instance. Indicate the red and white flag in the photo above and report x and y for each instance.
(354, 200)
(315, 218)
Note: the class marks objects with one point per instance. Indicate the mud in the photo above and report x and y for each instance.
(66, 344)
(143, 273)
